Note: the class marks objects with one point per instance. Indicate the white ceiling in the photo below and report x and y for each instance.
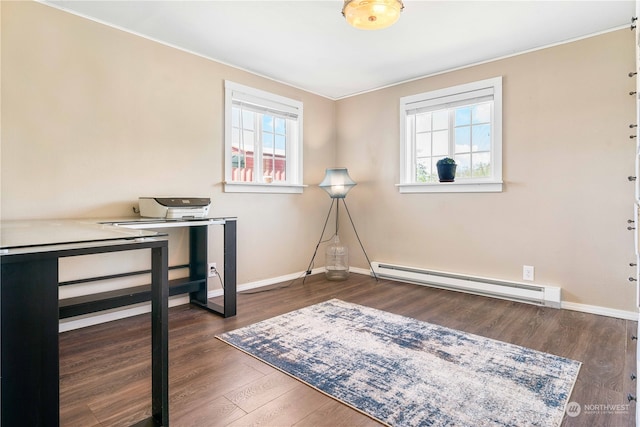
(307, 44)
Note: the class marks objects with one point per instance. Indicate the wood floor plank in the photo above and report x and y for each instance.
(210, 413)
(287, 409)
(335, 414)
(78, 414)
(105, 369)
(257, 393)
(212, 383)
(123, 406)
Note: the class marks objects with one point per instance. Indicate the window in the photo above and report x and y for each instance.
(263, 141)
(463, 122)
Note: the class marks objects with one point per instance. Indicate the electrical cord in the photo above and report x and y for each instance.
(217, 274)
(303, 274)
(320, 241)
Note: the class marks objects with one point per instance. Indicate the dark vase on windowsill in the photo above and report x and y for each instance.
(446, 169)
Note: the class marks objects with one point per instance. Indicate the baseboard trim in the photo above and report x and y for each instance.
(602, 311)
(267, 282)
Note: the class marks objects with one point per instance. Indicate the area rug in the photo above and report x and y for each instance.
(405, 372)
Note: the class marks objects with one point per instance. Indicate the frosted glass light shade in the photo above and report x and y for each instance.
(372, 14)
(337, 183)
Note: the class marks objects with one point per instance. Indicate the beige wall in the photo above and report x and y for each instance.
(93, 117)
(566, 158)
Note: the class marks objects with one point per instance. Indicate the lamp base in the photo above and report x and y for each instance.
(337, 275)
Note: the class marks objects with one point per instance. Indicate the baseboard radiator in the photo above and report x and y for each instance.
(544, 295)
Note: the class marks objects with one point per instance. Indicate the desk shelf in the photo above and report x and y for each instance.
(86, 304)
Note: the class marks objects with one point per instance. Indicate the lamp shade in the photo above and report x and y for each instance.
(372, 14)
(337, 183)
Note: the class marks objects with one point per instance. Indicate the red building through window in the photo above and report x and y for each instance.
(274, 167)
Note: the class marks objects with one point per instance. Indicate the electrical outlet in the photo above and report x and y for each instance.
(213, 271)
(527, 272)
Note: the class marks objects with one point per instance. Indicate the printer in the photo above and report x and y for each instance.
(174, 207)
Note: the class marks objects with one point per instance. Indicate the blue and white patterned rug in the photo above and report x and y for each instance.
(404, 372)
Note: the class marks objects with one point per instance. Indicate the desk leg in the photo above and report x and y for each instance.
(29, 330)
(230, 247)
(199, 261)
(198, 265)
(159, 336)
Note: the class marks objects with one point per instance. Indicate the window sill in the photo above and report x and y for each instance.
(254, 187)
(452, 187)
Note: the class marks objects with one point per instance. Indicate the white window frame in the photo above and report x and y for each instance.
(266, 100)
(444, 97)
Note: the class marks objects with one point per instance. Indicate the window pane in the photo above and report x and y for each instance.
(235, 137)
(463, 116)
(481, 165)
(242, 144)
(268, 165)
(481, 138)
(280, 164)
(423, 144)
(423, 170)
(440, 143)
(280, 168)
(440, 120)
(274, 167)
(238, 159)
(267, 123)
(463, 139)
(280, 125)
(235, 117)
(464, 166)
(242, 163)
(267, 141)
(247, 136)
(247, 119)
(423, 122)
(481, 113)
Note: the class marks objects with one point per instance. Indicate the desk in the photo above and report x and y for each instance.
(29, 364)
(196, 284)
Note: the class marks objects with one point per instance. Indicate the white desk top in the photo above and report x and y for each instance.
(38, 233)
(150, 223)
(31, 234)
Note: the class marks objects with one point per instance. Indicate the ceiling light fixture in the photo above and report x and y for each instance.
(372, 14)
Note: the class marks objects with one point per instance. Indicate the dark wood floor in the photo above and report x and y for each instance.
(105, 369)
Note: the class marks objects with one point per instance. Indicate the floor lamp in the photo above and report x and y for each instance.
(337, 183)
